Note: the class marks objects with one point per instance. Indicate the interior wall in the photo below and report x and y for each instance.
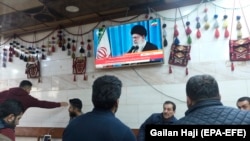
(145, 88)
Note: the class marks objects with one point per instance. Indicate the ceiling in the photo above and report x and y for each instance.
(18, 17)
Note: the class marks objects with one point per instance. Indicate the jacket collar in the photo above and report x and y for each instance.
(202, 104)
(3, 124)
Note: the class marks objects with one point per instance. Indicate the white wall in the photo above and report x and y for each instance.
(145, 88)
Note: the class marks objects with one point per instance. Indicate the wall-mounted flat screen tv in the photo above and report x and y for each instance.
(129, 44)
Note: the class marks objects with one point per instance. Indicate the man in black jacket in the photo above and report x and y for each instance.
(243, 103)
(166, 117)
(140, 44)
(205, 107)
(100, 124)
(75, 108)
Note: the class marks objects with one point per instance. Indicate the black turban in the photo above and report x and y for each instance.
(139, 29)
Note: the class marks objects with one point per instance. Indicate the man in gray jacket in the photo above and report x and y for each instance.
(205, 107)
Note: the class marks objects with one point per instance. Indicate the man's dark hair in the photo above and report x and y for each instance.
(106, 90)
(244, 98)
(11, 106)
(25, 83)
(75, 102)
(201, 87)
(170, 102)
(139, 29)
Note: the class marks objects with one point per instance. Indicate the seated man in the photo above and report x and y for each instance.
(164, 118)
(75, 108)
(11, 112)
(243, 103)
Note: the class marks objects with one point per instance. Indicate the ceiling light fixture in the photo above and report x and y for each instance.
(72, 8)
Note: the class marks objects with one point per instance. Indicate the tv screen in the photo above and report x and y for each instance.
(129, 44)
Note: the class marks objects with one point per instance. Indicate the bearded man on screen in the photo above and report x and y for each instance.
(140, 43)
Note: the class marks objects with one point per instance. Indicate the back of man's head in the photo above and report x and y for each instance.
(202, 87)
(25, 83)
(11, 106)
(106, 90)
(77, 103)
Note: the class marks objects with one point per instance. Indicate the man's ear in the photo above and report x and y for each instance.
(116, 103)
(10, 118)
(115, 107)
(189, 101)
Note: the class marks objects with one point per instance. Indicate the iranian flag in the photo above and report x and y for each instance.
(103, 48)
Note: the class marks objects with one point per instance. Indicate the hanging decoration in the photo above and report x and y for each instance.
(61, 39)
(207, 25)
(46, 47)
(216, 26)
(79, 67)
(49, 52)
(176, 41)
(225, 26)
(82, 43)
(238, 28)
(16, 48)
(68, 46)
(231, 48)
(11, 53)
(43, 49)
(176, 32)
(180, 54)
(53, 48)
(43, 54)
(164, 33)
(188, 32)
(82, 50)
(239, 50)
(5, 55)
(33, 70)
(21, 56)
(73, 48)
(198, 26)
(149, 14)
(32, 54)
(79, 63)
(89, 48)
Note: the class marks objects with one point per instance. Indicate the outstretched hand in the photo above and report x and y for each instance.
(64, 104)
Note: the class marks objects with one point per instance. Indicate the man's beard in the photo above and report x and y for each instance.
(140, 43)
(72, 114)
(12, 124)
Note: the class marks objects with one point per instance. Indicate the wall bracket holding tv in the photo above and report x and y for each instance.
(129, 44)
